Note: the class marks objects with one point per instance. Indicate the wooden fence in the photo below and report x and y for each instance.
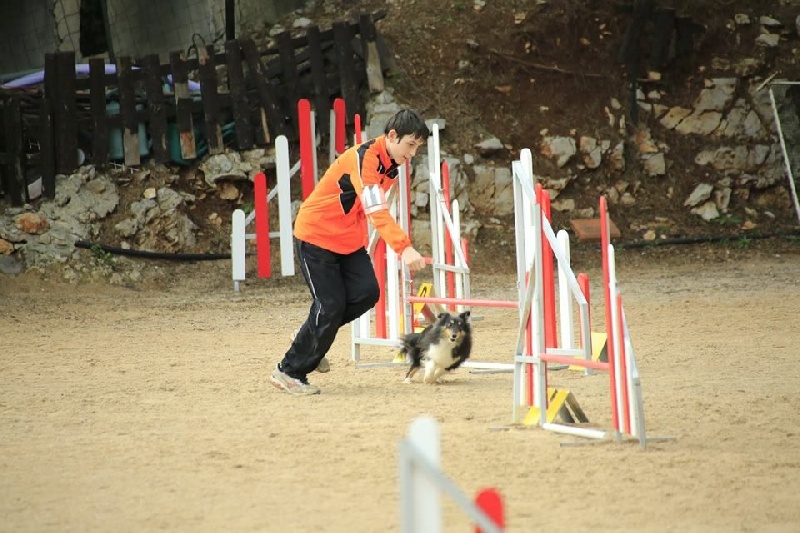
(242, 97)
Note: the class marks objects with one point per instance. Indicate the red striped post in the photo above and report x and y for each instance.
(306, 147)
(380, 273)
(340, 138)
(605, 241)
(448, 239)
(408, 195)
(262, 225)
(549, 289)
(491, 503)
(583, 283)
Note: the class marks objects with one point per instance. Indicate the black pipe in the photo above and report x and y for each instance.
(707, 239)
(150, 255)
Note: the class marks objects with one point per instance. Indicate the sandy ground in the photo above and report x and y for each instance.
(149, 409)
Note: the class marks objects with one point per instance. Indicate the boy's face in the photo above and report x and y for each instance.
(402, 149)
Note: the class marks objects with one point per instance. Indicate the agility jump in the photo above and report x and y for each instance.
(284, 171)
(535, 351)
(397, 283)
(422, 480)
(539, 346)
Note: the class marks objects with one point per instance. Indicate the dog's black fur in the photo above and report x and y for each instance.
(443, 346)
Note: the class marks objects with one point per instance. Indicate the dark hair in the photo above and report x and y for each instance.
(408, 122)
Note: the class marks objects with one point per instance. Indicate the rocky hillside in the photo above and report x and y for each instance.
(663, 107)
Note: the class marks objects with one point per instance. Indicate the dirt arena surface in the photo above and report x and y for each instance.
(144, 409)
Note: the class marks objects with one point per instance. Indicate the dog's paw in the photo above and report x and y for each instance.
(407, 380)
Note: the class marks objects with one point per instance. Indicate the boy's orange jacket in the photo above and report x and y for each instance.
(333, 216)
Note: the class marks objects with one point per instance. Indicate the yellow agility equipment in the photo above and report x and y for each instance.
(562, 404)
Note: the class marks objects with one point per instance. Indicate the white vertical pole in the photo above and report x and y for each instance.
(393, 282)
(238, 247)
(314, 145)
(427, 516)
(434, 170)
(283, 175)
(564, 294)
(332, 137)
(459, 276)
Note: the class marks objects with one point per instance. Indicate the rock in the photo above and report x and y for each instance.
(768, 40)
(701, 193)
(6, 248)
(489, 147)
(699, 123)
(741, 19)
(769, 22)
(674, 117)
(655, 164)
(227, 165)
(11, 265)
(301, 22)
(567, 205)
(722, 198)
(32, 223)
(592, 152)
(617, 157)
(707, 211)
(718, 97)
(559, 148)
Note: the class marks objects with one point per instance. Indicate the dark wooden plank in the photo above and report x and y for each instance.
(47, 159)
(230, 20)
(322, 101)
(662, 45)
(127, 107)
(66, 114)
(344, 57)
(14, 180)
(97, 95)
(372, 58)
(387, 58)
(270, 109)
(183, 105)
(288, 76)
(157, 116)
(241, 112)
(210, 96)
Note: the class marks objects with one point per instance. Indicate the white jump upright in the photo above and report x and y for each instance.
(240, 221)
(284, 171)
(422, 481)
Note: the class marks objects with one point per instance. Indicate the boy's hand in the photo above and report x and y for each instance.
(412, 259)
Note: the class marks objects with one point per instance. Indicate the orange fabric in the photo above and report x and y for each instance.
(333, 217)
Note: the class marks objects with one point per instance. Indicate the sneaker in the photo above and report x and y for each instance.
(292, 385)
(324, 365)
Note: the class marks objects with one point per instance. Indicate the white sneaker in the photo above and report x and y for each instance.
(292, 385)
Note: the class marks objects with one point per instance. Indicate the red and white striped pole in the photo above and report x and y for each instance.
(307, 178)
(262, 224)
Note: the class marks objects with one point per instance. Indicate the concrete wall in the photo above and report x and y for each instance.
(27, 31)
(31, 28)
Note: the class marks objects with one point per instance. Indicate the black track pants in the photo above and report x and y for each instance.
(343, 287)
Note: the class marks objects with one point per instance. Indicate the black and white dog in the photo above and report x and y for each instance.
(443, 346)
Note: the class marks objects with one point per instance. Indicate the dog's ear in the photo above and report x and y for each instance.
(465, 315)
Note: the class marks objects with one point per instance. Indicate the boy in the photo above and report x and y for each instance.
(330, 236)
